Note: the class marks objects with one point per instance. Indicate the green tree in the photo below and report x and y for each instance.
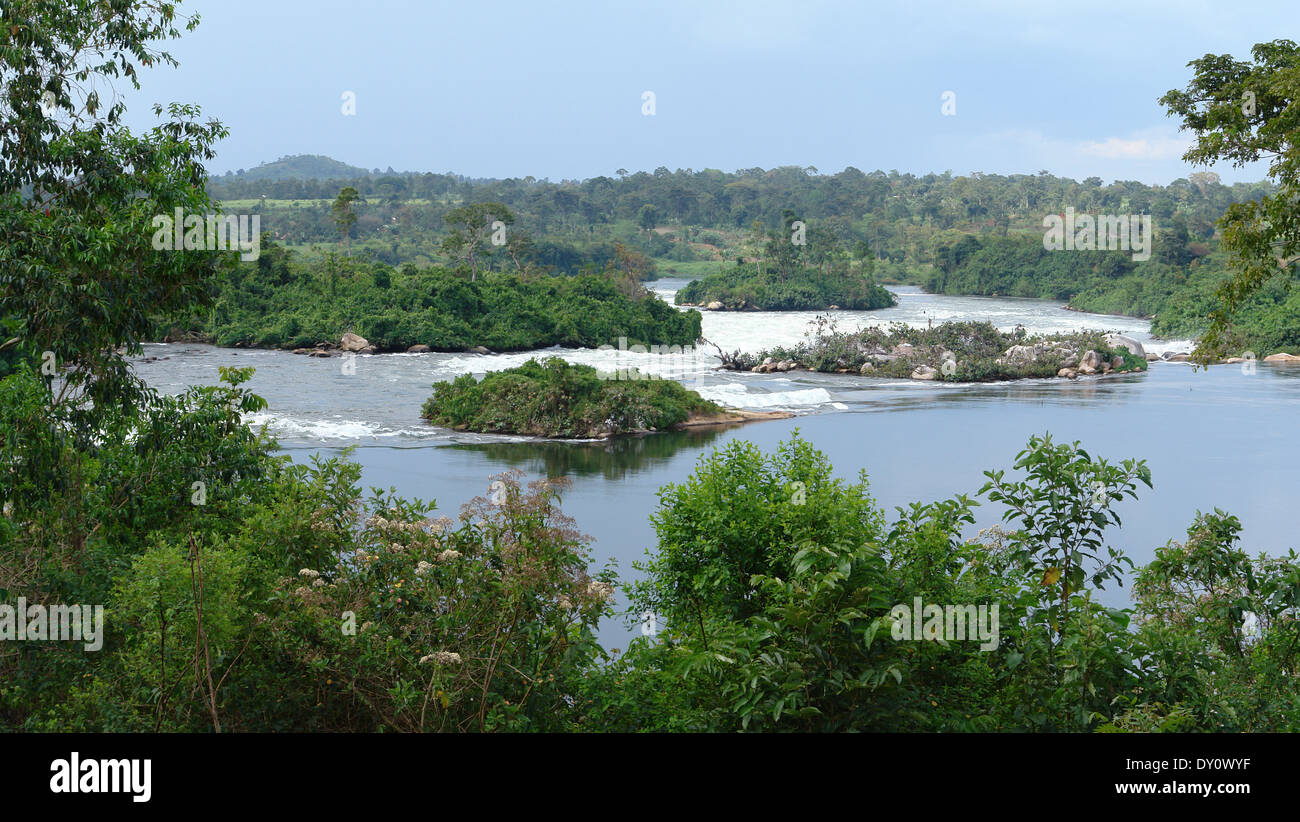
(344, 216)
(1244, 111)
(89, 259)
(471, 227)
(647, 217)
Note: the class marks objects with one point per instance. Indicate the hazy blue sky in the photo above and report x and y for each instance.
(506, 89)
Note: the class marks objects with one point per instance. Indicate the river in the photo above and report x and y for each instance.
(1218, 437)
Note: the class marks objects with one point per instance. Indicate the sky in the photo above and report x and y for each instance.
(557, 90)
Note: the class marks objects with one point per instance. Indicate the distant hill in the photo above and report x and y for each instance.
(300, 167)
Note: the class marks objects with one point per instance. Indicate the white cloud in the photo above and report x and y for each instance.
(1152, 147)
(1152, 155)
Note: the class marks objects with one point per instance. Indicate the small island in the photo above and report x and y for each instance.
(560, 400)
(748, 287)
(951, 351)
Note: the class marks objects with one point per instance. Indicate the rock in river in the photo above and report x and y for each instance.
(351, 342)
(1120, 341)
(1090, 363)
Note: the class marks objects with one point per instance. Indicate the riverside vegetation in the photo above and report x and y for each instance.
(245, 593)
(1176, 288)
(278, 302)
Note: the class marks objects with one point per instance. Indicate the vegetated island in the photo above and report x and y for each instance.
(952, 352)
(279, 302)
(747, 287)
(560, 400)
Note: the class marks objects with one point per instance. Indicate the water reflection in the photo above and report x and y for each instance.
(613, 459)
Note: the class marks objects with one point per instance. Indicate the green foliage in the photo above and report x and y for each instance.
(807, 289)
(1242, 111)
(556, 399)
(484, 626)
(1221, 630)
(1180, 296)
(79, 193)
(777, 621)
(301, 166)
(287, 305)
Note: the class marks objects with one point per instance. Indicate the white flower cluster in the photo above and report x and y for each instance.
(441, 658)
(418, 527)
(603, 591)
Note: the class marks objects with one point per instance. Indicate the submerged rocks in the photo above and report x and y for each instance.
(925, 372)
(769, 365)
(418, 348)
(477, 349)
(1068, 373)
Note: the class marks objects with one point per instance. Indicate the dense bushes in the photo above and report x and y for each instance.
(556, 399)
(779, 585)
(278, 304)
(272, 597)
(806, 289)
